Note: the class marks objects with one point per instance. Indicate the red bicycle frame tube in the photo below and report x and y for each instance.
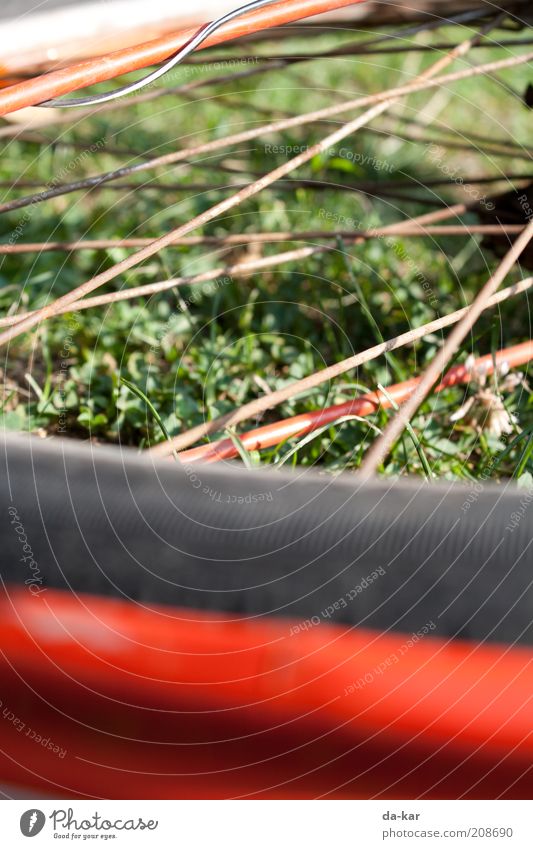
(34, 91)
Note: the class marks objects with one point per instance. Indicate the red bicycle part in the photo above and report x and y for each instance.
(167, 703)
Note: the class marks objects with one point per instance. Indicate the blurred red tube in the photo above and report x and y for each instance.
(91, 71)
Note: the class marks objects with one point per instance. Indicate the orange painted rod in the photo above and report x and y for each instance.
(272, 434)
(82, 74)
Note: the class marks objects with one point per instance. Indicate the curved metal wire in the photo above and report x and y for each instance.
(182, 54)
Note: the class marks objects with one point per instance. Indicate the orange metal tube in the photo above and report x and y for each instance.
(87, 73)
(273, 434)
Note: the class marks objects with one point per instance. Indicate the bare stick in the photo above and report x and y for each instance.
(384, 443)
(248, 72)
(372, 187)
(241, 269)
(186, 154)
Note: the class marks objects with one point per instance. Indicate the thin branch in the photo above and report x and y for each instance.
(274, 433)
(474, 139)
(309, 28)
(241, 269)
(98, 69)
(408, 230)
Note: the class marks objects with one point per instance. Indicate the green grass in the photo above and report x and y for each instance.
(200, 352)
